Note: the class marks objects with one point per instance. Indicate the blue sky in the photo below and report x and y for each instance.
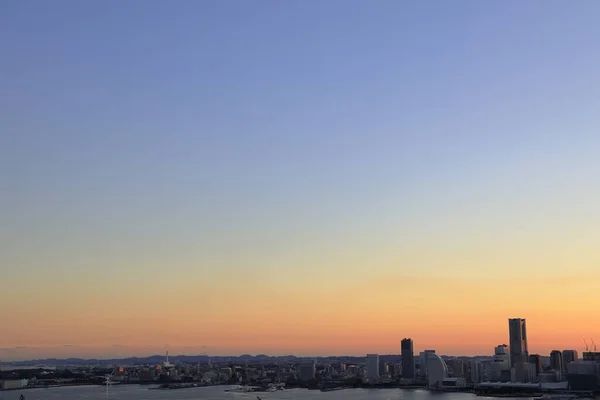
(251, 113)
(292, 136)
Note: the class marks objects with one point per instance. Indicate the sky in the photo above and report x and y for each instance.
(297, 177)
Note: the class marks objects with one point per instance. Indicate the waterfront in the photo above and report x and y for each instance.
(135, 392)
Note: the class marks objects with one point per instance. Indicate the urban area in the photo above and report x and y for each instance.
(511, 370)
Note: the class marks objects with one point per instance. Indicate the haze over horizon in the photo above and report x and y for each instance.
(297, 177)
(123, 352)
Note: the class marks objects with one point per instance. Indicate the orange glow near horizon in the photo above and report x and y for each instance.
(449, 315)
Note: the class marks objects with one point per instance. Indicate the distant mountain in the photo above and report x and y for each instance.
(156, 359)
(202, 359)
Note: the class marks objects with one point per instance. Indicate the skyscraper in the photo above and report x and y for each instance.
(556, 360)
(518, 341)
(373, 367)
(423, 362)
(408, 359)
(519, 355)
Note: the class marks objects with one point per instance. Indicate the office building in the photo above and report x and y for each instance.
(531, 373)
(307, 371)
(519, 354)
(502, 357)
(569, 356)
(372, 365)
(556, 360)
(518, 341)
(408, 359)
(423, 362)
(500, 370)
(591, 356)
(536, 360)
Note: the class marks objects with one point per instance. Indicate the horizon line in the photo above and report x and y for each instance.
(227, 356)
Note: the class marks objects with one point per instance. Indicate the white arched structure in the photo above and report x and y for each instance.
(437, 370)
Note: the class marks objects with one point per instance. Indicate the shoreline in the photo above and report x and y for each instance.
(258, 389)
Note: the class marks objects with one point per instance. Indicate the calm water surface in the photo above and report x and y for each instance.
(134, 392)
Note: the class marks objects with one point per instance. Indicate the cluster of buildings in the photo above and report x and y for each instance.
(511, 366)
(515, 364)
(429, 368)
(211, 374)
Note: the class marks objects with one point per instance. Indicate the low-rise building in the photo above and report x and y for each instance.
(10, 384)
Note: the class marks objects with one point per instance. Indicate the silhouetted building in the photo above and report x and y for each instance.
(423, 362)
(408, 359)
(536, 360)
(518, 340)
(568, 356)
(500, 369)
(556, 360)
(502, 357)
(372, 367)
(591, 356)
(519, 354)
(307, 371)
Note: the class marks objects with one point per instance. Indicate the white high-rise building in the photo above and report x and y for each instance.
(372, 367)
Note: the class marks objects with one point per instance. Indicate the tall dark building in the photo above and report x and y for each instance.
(568, 356)
(519, 355)
(556, 360)
(536, 360)
(408, 359)
(518, 341)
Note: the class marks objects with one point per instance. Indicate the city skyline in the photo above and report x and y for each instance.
(174, 356)
(297, 176)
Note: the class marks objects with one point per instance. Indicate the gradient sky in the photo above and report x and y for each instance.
(307, 177)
